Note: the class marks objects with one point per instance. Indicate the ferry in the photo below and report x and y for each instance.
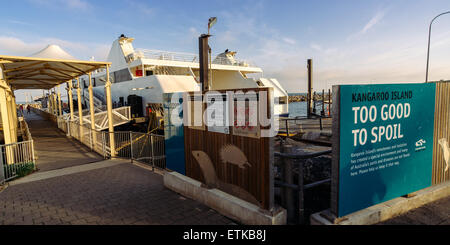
(140, 77)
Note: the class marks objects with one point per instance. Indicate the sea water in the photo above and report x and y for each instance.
(299, 109)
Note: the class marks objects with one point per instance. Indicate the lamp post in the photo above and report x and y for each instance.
(211, 21)
(429, 38)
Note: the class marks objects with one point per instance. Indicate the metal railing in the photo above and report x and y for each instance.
(17, 160)
(121, 115)
(143, 147)
(186, 57)
(302, 124)
(148, 148)
(287, 181)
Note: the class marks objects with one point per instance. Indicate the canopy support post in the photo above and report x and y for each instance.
(54, 102)
(80, 109)
(110, 116)
(91, 108)
(69, 92)
(59, 100)
(5, 118)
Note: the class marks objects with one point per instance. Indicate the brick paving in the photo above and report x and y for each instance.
(121, 194)
(112, 195)
(434, 213)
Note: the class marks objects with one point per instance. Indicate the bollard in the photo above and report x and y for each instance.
(288, 178)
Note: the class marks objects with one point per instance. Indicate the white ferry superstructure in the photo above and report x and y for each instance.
(150, 73)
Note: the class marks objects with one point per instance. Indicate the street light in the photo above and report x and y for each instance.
(211, 22)
(429, 37)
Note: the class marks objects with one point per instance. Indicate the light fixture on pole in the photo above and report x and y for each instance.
(211, 21)
(429, 38)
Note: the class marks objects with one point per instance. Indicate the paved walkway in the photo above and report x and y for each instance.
(73, 191)
(434, 213)
(53, 149)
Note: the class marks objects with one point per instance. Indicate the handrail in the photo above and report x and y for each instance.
(16, 160)
(146, 147)
(17, 143)
(302, 156)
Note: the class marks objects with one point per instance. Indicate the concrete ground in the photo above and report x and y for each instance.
(70, 189)
(434, 213)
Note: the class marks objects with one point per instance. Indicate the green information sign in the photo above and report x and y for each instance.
(386, 142)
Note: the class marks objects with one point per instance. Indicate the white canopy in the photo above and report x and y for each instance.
(53, 51)
(43, 73)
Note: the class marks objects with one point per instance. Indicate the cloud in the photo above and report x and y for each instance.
(289, 40)
(77, 4)
(18, 47)
(194, 32)
(15, 46)
(377, 18)
(227, 37)
(142, 8)
(316, 47)
(69, 4)
(19, 22)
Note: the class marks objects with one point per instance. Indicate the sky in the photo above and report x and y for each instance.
(350, 41)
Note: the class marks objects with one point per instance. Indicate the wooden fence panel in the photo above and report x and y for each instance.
(441, 133)
(248, 179)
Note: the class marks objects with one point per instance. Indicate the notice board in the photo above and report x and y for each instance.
(382, 143)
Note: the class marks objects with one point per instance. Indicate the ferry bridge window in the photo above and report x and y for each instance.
(148, 72)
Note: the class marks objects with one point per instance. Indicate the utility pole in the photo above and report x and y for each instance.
(309, 96)
(203, 54)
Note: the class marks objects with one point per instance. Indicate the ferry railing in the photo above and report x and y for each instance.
(186, 57)
(17, 160)
(289, 160)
